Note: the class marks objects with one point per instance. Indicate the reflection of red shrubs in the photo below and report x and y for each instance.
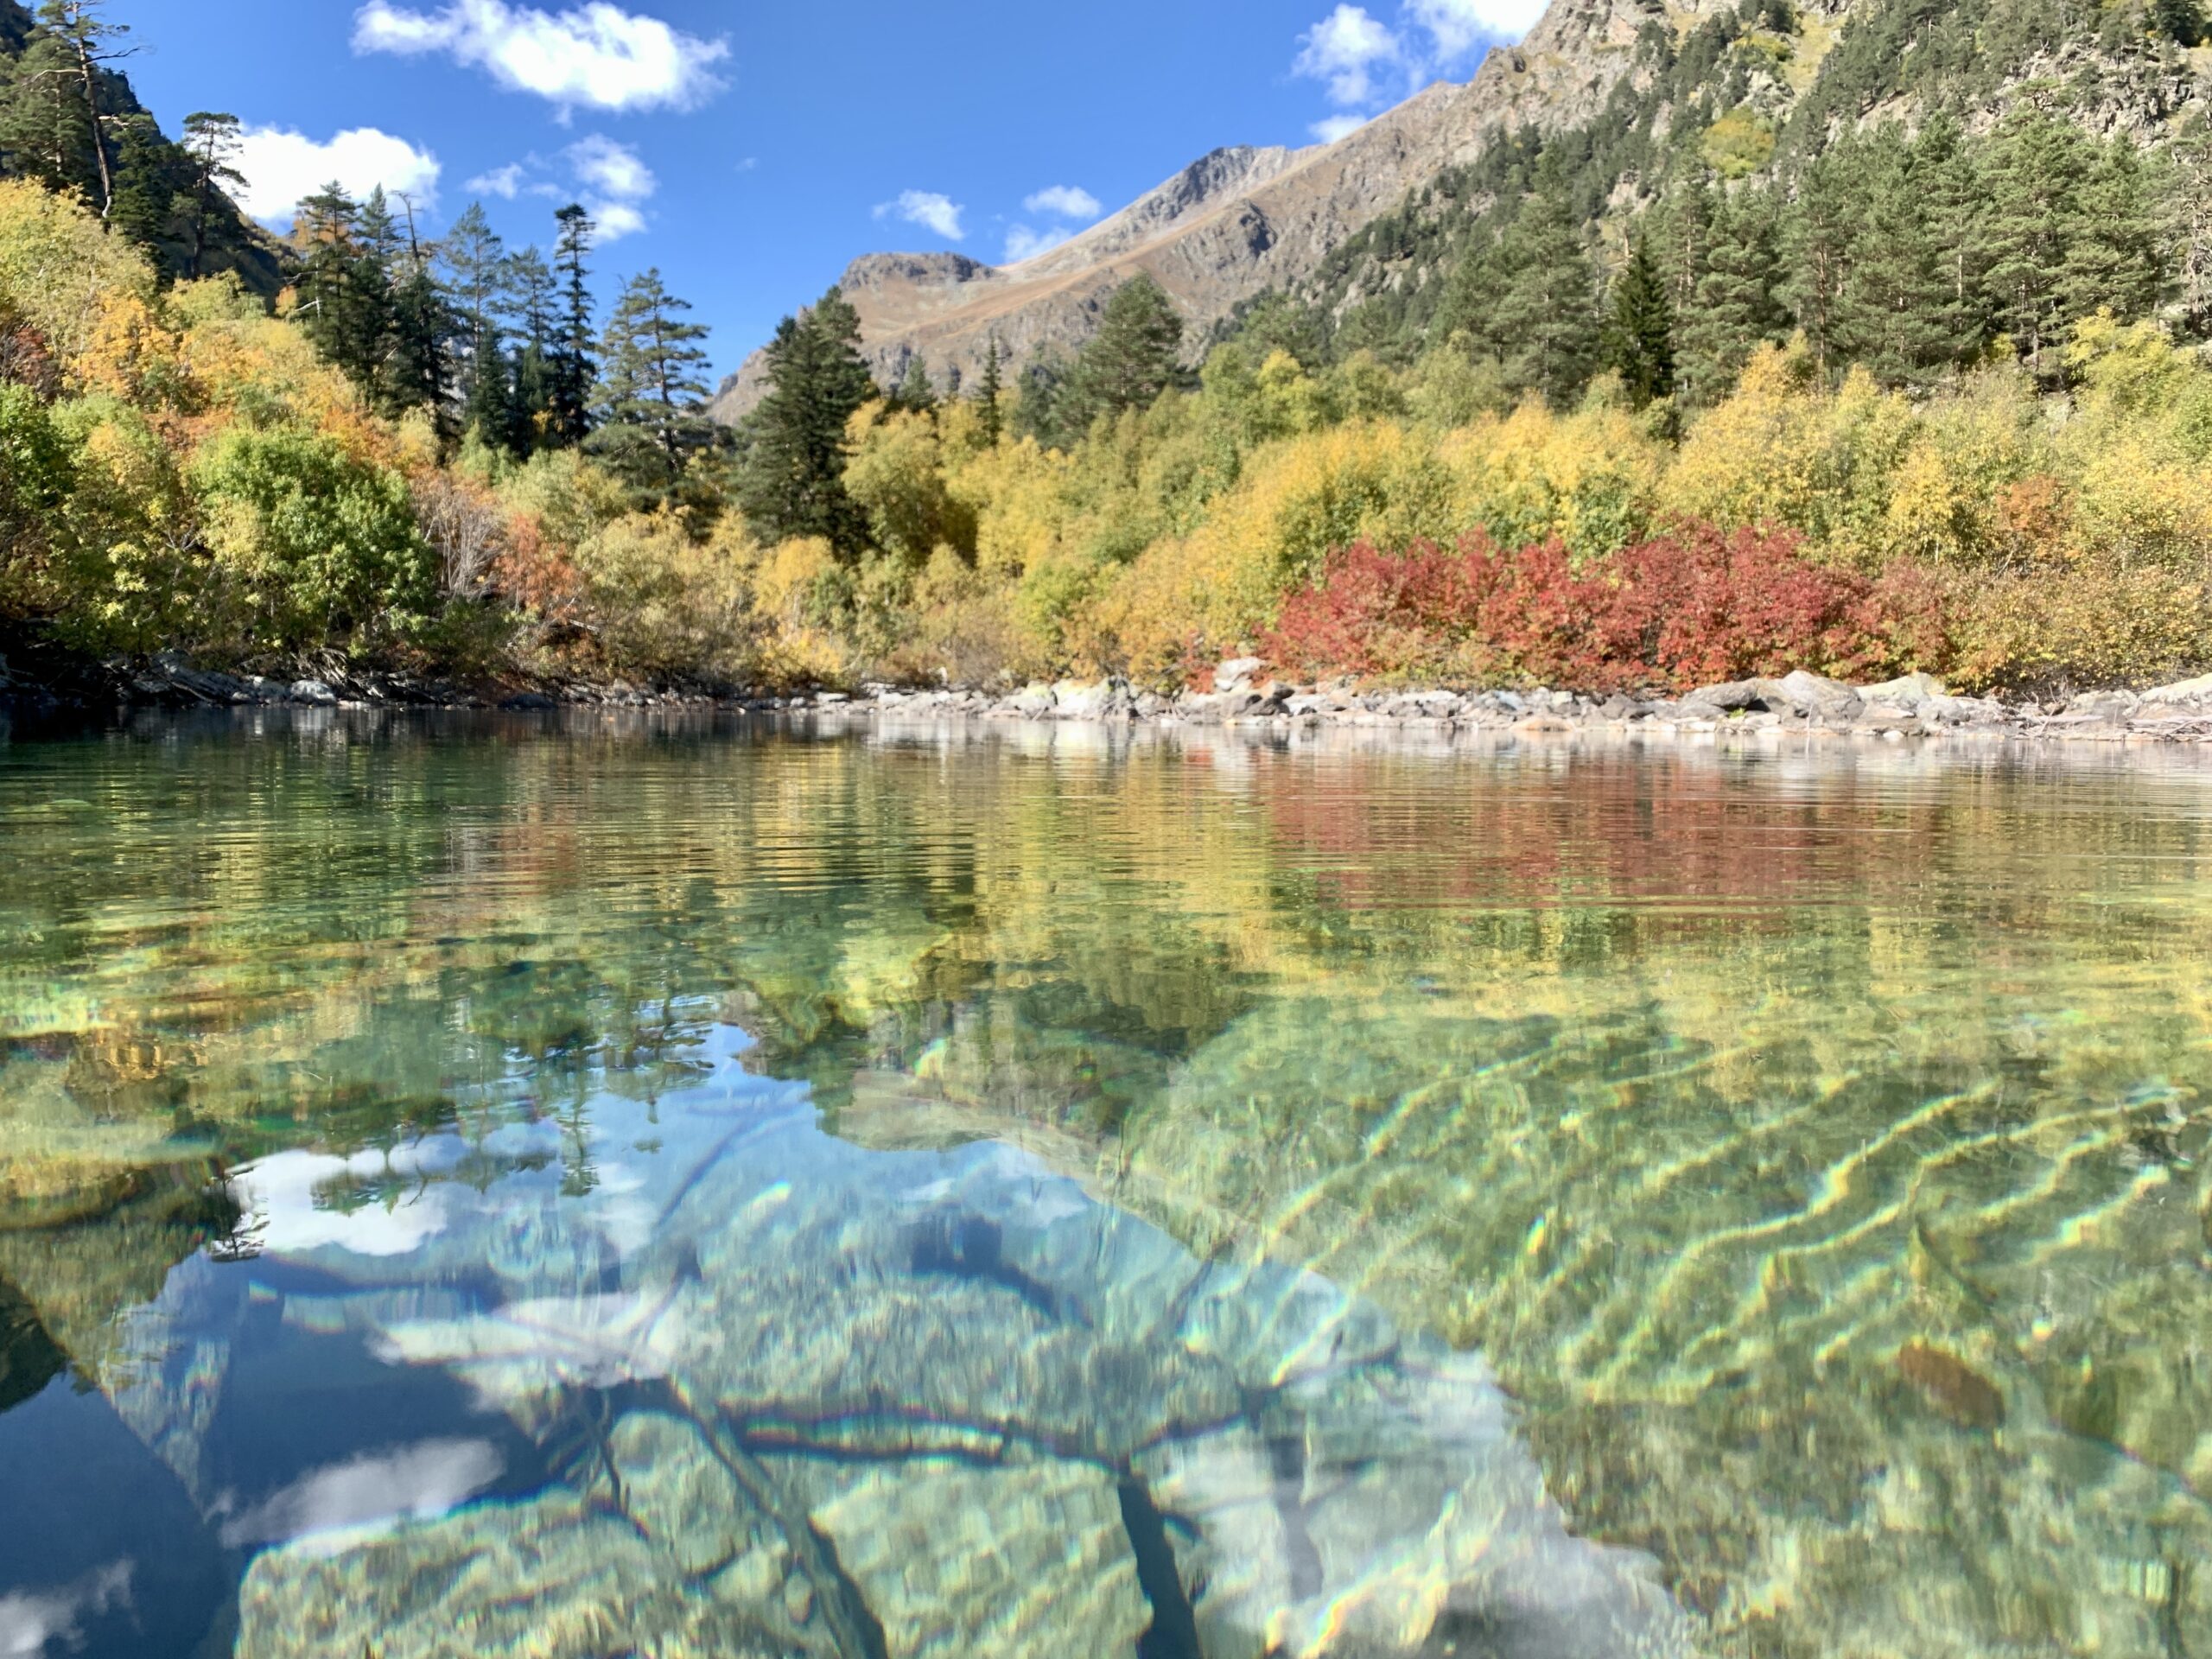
(1689, 609)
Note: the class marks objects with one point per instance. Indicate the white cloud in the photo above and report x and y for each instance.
(282, 167)
(1065, 202)
(1458, 27)
(29, 1624)
(927, 209)
(616, 220)
(340, 1503)
(606, 169)
(1347, 49)
(1338, 126)
(595, 55)
(506, 183)
(1022, 242)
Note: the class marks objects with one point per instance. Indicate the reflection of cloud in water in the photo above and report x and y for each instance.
(29, 1624)
(336, 1506)
(288, 1196)
(530, 1348)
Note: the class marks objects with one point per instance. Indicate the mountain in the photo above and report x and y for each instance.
(1634, 92)
(154, 179)
(1232, 225)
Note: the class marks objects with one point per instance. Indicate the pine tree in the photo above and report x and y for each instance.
(1890, 313)
(988, 395)
(2116, 241)
(1128, 362)
(1735, 306)
(572, 369)
(1543, 326)
(1947, 182)
(344, 287)
(2036, 164)
(1638, 343)
(43, 128)
(212, 144)
(144, 210)
(649, 403)
(793, 482)
(1822, 238)
(87, 41)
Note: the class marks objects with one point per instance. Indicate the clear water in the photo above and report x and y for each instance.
(593, 1187)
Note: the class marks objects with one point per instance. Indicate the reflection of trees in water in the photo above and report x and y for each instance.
(1689, 1090)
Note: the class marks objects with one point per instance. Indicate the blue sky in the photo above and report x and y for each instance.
(751, 150)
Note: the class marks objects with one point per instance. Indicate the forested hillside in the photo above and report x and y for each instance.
(1896, 364)
(69, 120)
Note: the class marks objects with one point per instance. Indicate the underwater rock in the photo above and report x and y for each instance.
(552, 1577)
(1952, 1386)
(1022, 1562)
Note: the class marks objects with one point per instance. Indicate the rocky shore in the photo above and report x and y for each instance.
(1244, 693)
(1801, 703)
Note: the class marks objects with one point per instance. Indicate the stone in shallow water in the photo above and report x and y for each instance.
(551, 1578)
(1026, 1562)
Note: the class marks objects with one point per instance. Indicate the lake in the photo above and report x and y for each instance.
(583, 1186)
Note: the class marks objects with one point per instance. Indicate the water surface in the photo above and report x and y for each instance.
(591, 1187)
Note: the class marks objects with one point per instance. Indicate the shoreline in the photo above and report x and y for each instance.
(1914, 709)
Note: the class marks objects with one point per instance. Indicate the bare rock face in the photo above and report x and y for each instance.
(1232, 225)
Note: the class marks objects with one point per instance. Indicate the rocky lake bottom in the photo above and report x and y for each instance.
(602, 1184)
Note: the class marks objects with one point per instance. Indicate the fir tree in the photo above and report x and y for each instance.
(915, 392)
(530, 297)
(417, 362)
(649, 403)
(473, 274)
(571, 367)
(1638, 343)
(1821, 237)
(343, 287)
(2116, 241)
(793, 482)
(86, 41)
(988, 395)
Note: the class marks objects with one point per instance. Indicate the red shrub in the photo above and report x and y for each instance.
(1686, 609)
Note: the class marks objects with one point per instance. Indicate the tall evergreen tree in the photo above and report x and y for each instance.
(989, 394)
(1543, 326)
(1128, 362)
(572, 368)
(343, 287)
(651, 400)
(2036, 164)
(418, 370)
(473, 266)
(1639, 335)
(793, 482)
(212, 142)
(531, 298)
(915, 392)
(87, 41)
(1820, 239)
(1889, 315)
(1735, 306)
(44, 128)
(2116, 242)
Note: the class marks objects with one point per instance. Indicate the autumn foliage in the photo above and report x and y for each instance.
(1689, 609)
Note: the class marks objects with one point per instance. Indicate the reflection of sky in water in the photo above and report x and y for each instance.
(1111, 1435)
